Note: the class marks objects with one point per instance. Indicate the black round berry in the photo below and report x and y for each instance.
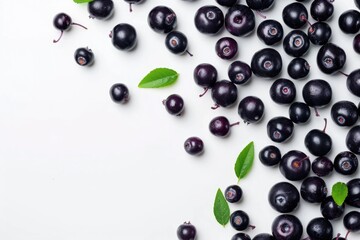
(298, 68)
(119, 93)
(283, 91)
(84, 56)
(270, 32)
(123, 36)
(239, 220)
(284, 197)
(194, 145)
(299, 112)
(344, 113)
(353, 82)
(330, 58)
(209, 19)
(233, 193)
(162, 19)
(186, 231)
(266, 63)
(295, 165)
(251, 109)
(280, 129)
(176, 42)
(226, 48)
(224, 93)
(322, 166)
(321, 10)
(353, 139)
(101, 9)
(346, 163)
(330, 210)
(270, 155)
(320, 229)
(296, 43)
(239, 20)
(239, 72)
(349, 21)
(313, 189)
(295, 15)
(287, 227)
(174, 104)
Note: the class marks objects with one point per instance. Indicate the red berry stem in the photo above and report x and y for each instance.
(56, 40)
(205, 91)
(78, 24)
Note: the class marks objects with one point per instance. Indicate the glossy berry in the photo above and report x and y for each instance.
(63, 22)
(270, 32)
(353, 139)
(239, 72)
(344, 113)
(346, 163)
(299, 112)
(123, 36)
(296, 43)
(241, 236)
(280, 129)
(131, 2)
(317, 93)
(194, 146)
(295, 15)
(209, 19)
(239, 20)
(356, 43)
(287, 227)
(295, 165)
(270, 155)
(318, 142)
(349, 21)
(259, 5)
(227, 3)
(226, 48)
(330, 210)
(351, 222)
(263, 236)
(319, 33)
(240, 220)
(251, 109)
(205, 75)
(321, 10)
(84, 56)
(224, 93)
(353, 82)
(119, 93)
(101, 9)
(220, 126)
(298, 68)
(322, 166)
(313, 189)
(162, 19)
(174, 104)
(319, 229)
(284, 197)
(266, 63)
(330, 58)
(283, 91)
(353, 197)
(233, 193)
(357, 3)
(177, 42)
(186, 231)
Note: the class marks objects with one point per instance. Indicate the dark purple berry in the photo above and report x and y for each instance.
(313, 190)
(220, 126)
(264, 236)
(194, 145)
(239, 20)
(162, 19)
(186, 231)
(284, 197)
(330, 58)
(353, 82)
(101, 9)
(226, 48)
(295, 15)
(177, 42)
(209, 19)
(319, 33)
(283, 91)
(174, 104)
(330, 210)
(295, 165)
(270, 32)
(63, 22)
(344, 113)
(84, 56)
(296, 43)
(270, 155)
(346, 163)
(322, 166)
(123, 36)
(321, 10)
(239, 72)
(205, 75)
(319, 229)
(241, 236)
(318, 142)
(298, 68)
(119, 93)
(227, 3)
(260, 5)
(240, 220)
(224, 93)
(317, 93)
(280, 129)
(299, 112)
(349, 21)
(353, 139)
(351, 222)
(356, 43)
(233, 193)
(353, 197)
(287, 227)
(251, 109)
(266, 63)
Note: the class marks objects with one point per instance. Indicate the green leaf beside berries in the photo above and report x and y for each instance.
(339, 193)
(244, 161)
(159, 77)
(83, 1)
(221, 208)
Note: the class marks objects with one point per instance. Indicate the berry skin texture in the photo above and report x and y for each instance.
(251, 109)
(226, 48)
(298, 68)
(220, 126)
(319, 33)
(356, 43)
(241, 236)
(287, 227)
(321, 10)
(330, 58)
(205, 75)
(322, 166)
(162, 19)
(313, 189)
(227, 3)
(284, 197)
(239, 220)
(84, 56)
(344, 113)
(270, 32)
(353, 82)
(239, 72)
(280, 129)
(266, 63)
(233, 193)
(295, 15)
(263, 236)
(295, 165)
(330, 210)
(224, 93)
(186, 231)
(317, 93)
(119, 93)
(351, 221)
(194, 146)
(353, 197)
(283, 91)
(176, 42)
(123, 37)
(320, 229)
(349, 21)
(346, 163)
(101, 9)
(174, 104)
(209, 19)
(318, 142)
(299, 112)
(270, 155)
(296, 43)
(353, 139)
(239, 20)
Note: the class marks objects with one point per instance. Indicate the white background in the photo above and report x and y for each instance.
(75, 165)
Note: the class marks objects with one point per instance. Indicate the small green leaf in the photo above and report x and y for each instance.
(339, 193)
(159, 77)
(244, 161)
(83, 1)
(221, 208)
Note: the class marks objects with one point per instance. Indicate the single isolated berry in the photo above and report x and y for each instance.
(240, 220)
(63, 22)
(270, 32)
(239, 72)
(84, 56)
(251, 109)
(295, 165)
(317, 93)
(298, 68)
(299, 112)
(330, 58)
(101, 9)
(194, 146)
(123, 36)
(284, 197)
(296, 43)
(119, 93)
(220, 126)
(233, 193)
(344, 113)
(295, 15)
(186, 231)
(322, 166)
(174, 104)
(346, 163)
(209, 19)
(318, 142)
(226, 48)
(177, 42)
(283, 91)
(239, 20)
(266, 63)
(280, 129)
(349, 21)
(270, 155)
(162, 19)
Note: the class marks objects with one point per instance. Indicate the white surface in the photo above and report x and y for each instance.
(74, 165)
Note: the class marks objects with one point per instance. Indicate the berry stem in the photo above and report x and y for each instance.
(235, 123)
(130, 7)
(189, 53)
(261, 14)
(337, 236)
(205, 91)
(56, 40)
(110, 34)
(316, 112)
(252, 227)
(325, 125)
(215, 106)
(347, 234)
(78, 24)
(346, 75)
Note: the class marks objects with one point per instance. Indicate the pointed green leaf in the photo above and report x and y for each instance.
(159, 77)
(339, 193)
(244, 161)
(82, 1)
(221, 208)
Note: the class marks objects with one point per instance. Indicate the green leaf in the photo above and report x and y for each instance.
(244, 161)
(221, 208)
(83, 1)
(159, 77)
(339, 192)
